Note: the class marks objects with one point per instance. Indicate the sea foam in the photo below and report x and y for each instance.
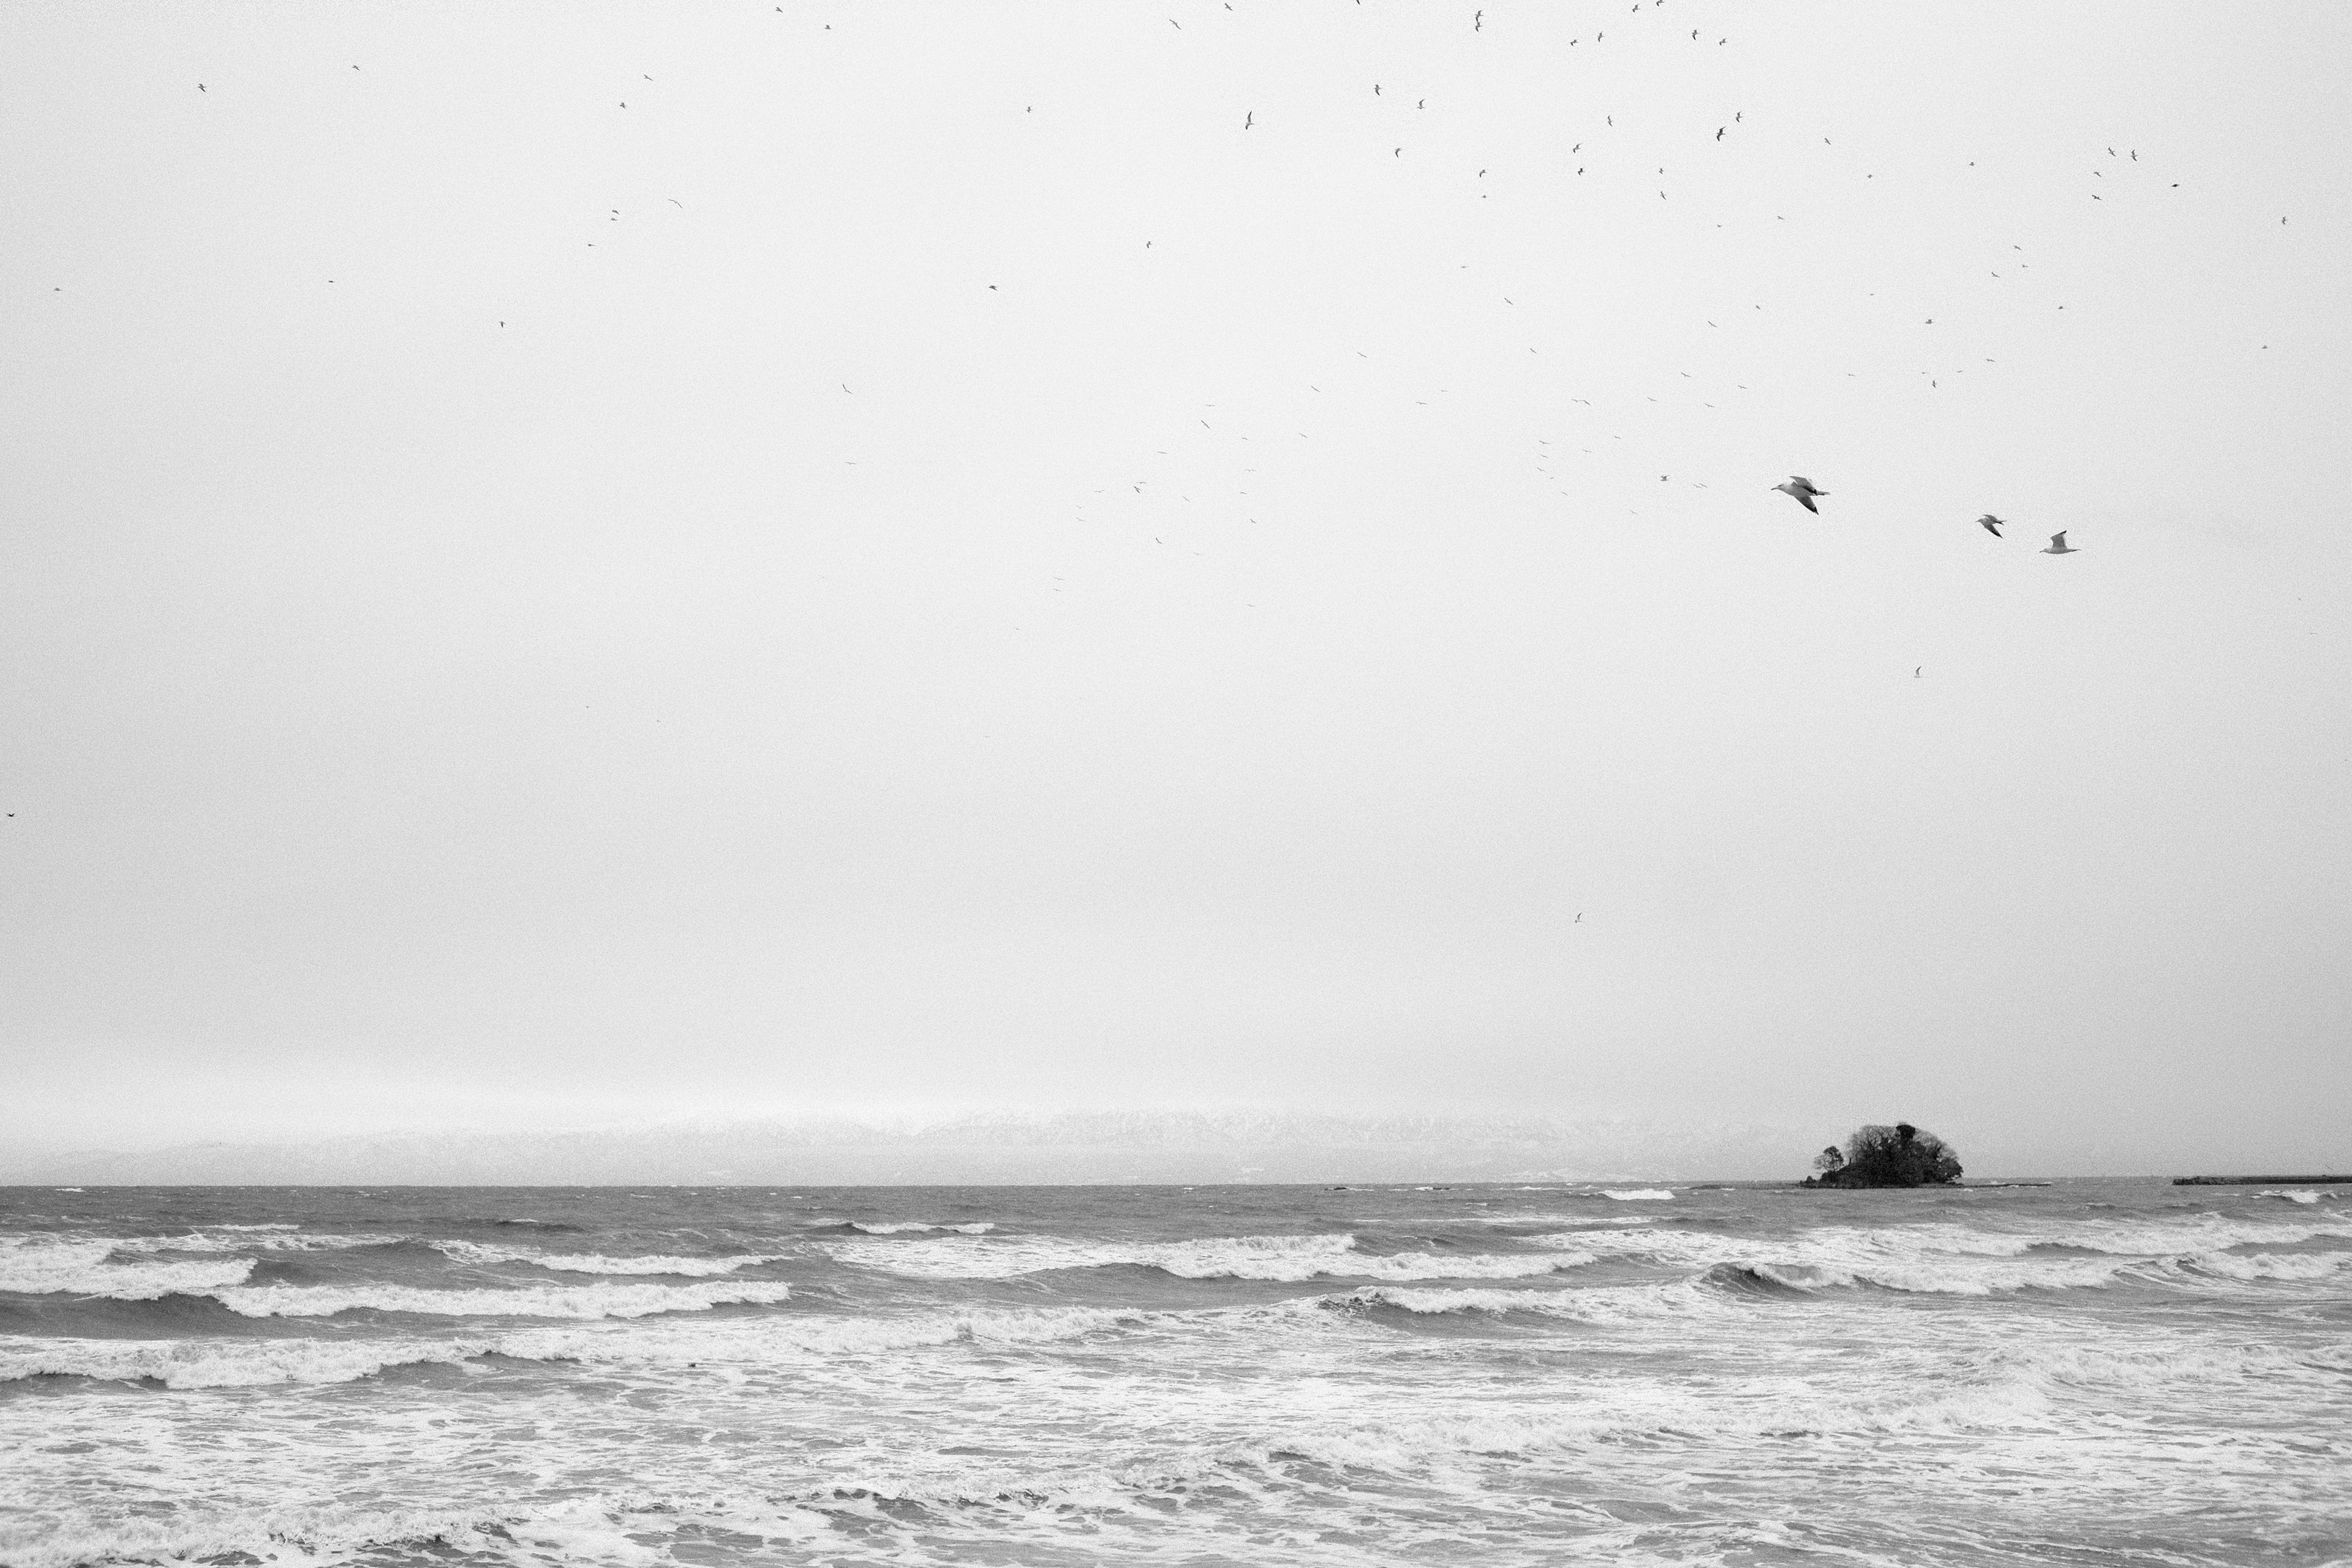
(39, 1266)
(528, 1302)
(220, 1363)
(600, 1263)
(1267, 1257)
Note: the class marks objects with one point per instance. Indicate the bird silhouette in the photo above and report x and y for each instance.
(2058, 545)
(1990, 525)
(1801, 489)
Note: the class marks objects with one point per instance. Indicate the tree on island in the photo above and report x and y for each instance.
(1897, 1156)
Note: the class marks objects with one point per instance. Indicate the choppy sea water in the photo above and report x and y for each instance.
(2092, 1372)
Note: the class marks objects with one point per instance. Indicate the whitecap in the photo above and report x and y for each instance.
(255, 1238)
(980, 1227)
(547, 1301)
(1267, 1257)
(40, 1265)
(1604, 1306)
(1639, 1193)
(763, 1341)
(599, 1263)
(219, 1363)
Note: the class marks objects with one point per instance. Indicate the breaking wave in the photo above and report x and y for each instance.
(220, 1363)
(42, 1265)
(1951, 1260)
(217, 1362)
(1595, 1304)
(550, 1301)
(1268, 1257)
(276, 1238)
(599, 1263)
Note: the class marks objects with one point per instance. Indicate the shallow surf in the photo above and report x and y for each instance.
(2087, 1372)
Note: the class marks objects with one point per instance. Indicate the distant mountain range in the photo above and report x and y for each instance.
(1006, 1149)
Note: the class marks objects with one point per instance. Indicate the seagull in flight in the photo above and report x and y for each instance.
(1801, 489)
(2058, 545)
(1990, 525)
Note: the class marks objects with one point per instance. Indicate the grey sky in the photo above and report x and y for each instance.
(969, 578)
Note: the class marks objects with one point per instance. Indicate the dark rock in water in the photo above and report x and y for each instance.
(1897, 1156)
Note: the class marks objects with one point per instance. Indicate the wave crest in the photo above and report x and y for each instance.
(600, 1263)
(545, 1301)
(44, 1266)
(1286, 1259)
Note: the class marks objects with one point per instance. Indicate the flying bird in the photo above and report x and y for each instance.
(1801, 489)
(2058, 545)
(1990, 525)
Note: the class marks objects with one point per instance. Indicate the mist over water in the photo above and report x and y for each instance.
(2091, 1371)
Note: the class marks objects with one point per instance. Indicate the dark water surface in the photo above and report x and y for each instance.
(2093, 1373)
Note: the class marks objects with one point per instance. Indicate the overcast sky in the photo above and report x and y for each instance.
(954, 557)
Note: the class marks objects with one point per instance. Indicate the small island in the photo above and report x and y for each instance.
(1897, 1156)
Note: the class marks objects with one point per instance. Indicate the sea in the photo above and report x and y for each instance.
(2090, 1371)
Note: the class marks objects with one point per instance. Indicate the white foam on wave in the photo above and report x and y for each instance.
(528, 1302)
(600, 1263)
(256, 1238)
(979, 1227)
(2267, 1265)
(1268, 1257)
(1598, 1304)
(220, 1363)
(2292, 1194)
(1958, 1277)
(593, 1530)
(2182, 1367)
(43, 1265)
(2199, 1233)
(212, 1363)
(1643, 1195)
(762, 1341)
(1943, 1259)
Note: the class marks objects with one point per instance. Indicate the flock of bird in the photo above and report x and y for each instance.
(2012, 271)
(1799, 489)
(1803, 491)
